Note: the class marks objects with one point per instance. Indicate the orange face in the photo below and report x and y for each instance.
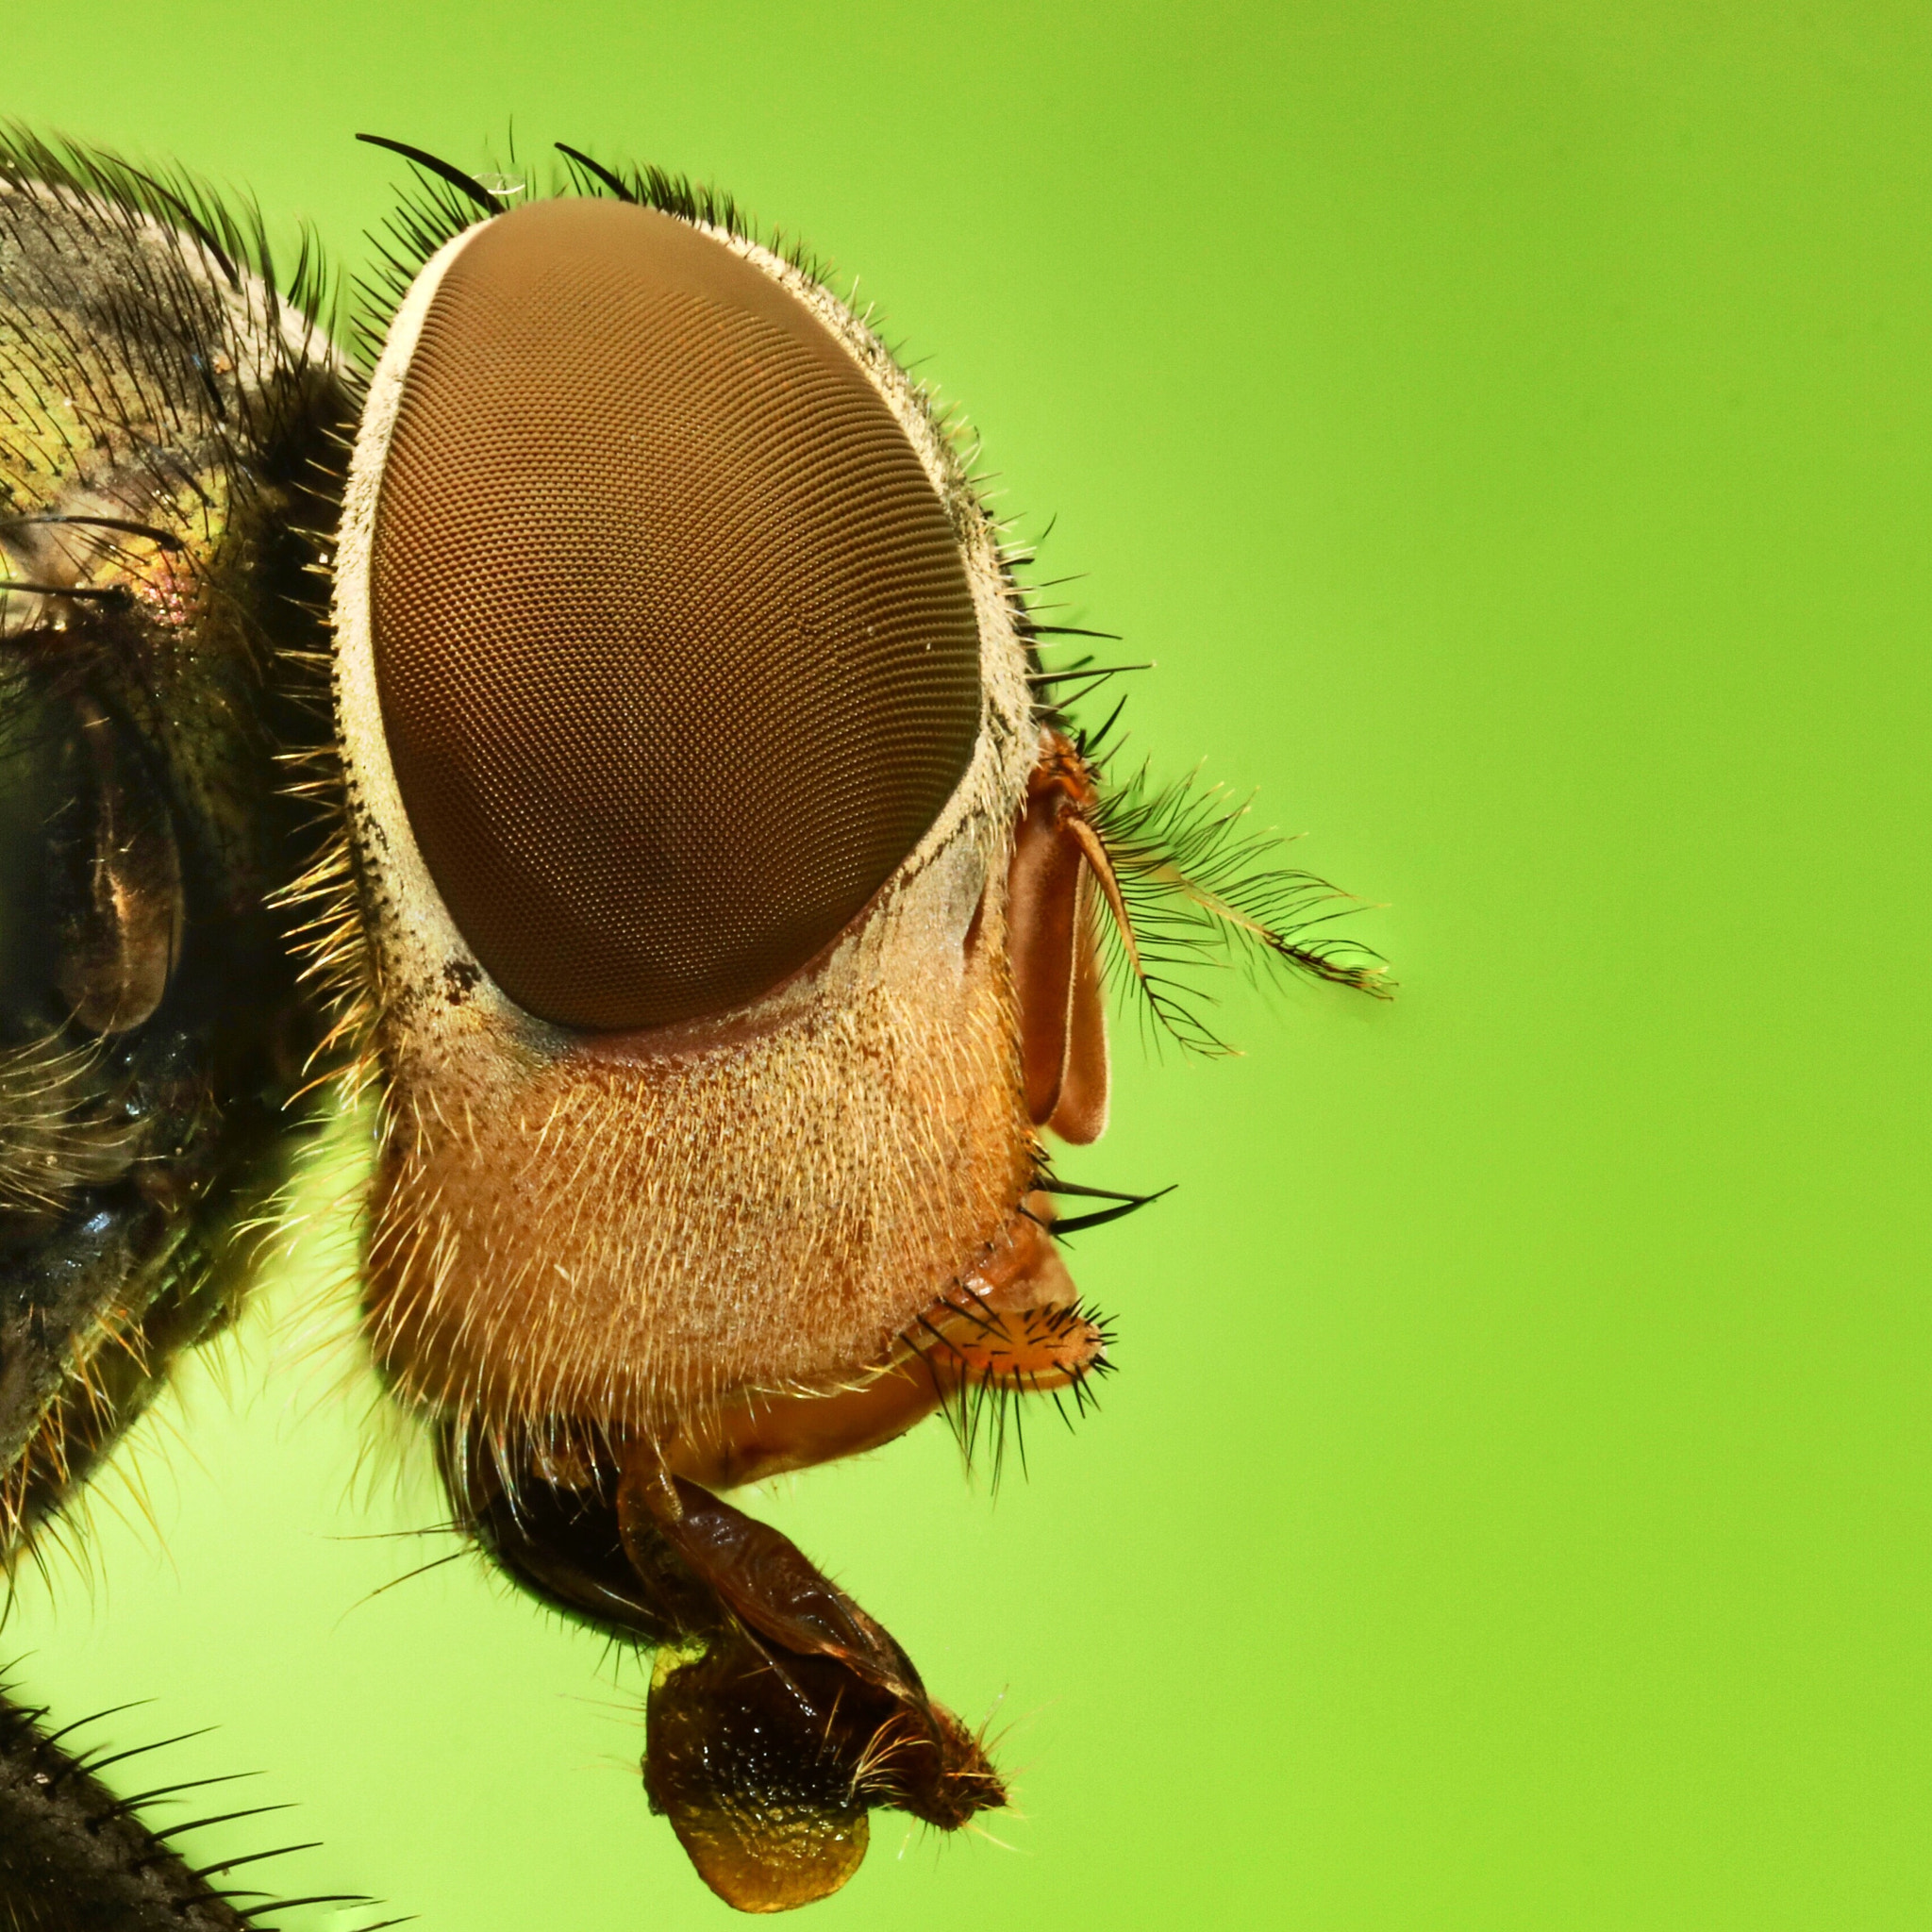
(726, 927)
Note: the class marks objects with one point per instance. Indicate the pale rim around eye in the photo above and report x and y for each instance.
(677, 650)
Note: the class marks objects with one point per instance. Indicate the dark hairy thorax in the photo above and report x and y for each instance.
(164, 455)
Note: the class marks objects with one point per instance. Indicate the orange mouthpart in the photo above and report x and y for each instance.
(1028, 1349)
(1013, 1324)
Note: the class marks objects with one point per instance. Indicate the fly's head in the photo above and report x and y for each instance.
(683, 702)
(725, 902)
(684, 710)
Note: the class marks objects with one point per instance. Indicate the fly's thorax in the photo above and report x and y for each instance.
(683, 878)
(168, 419)
(169, 440)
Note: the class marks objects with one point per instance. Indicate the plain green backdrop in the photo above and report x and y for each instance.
(1508, 427)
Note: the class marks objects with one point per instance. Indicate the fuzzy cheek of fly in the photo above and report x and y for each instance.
(831, 1175)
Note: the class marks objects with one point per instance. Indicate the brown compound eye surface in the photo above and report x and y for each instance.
(676, 653)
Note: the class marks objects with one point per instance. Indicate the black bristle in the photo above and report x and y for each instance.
(255, 1859)
(613, 182)
(1078, 1223)
(1081, 672)
(165, 539)
(94, 1766)
(220, 1818)
(446, 171)
(93, 1718)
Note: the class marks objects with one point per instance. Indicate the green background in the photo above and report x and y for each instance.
(1507, 426)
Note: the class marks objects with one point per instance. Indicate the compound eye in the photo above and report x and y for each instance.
(676, 649)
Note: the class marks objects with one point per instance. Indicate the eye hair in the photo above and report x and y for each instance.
(448, 171)
(677, 195)
(596, 169)
(445, 200)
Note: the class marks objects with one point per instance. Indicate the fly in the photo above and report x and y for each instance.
(594, 722)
